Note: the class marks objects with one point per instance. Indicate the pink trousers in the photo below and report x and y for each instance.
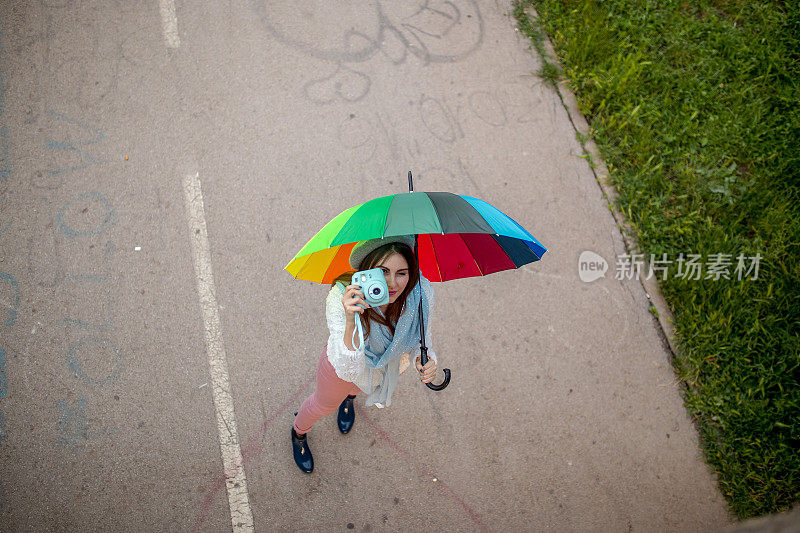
(330, 393)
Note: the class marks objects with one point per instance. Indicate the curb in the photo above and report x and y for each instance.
(600, 171)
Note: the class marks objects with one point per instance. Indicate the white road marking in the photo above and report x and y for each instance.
(169, 21)
(235, 481)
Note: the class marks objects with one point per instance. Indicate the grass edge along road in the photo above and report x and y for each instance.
(693, 107)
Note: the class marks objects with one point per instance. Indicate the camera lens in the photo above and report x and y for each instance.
(376, 291)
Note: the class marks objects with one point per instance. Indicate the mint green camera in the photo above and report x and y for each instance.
(373, 285)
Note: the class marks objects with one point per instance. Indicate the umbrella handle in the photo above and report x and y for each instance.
(424, 359)
(423, 350)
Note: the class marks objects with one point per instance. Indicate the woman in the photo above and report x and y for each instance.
(391, 332)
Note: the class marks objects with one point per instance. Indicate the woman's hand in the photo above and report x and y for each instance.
(427, 372)
(353, 296)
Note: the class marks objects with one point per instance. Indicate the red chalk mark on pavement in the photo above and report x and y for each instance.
(250, 451)
(443, 487)
(253, 449)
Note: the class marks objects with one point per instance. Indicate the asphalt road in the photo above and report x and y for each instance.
(162, 161)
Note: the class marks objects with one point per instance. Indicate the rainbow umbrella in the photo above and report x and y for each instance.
(458, 236)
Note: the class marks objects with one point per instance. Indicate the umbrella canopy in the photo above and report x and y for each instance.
(458, 237)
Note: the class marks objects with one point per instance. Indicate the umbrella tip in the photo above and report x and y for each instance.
(410, 182)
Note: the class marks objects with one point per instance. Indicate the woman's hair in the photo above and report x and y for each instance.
(372, 260)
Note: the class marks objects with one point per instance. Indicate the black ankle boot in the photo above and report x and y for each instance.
(347, 415)
(302, 455)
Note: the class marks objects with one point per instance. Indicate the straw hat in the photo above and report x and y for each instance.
(363, 248)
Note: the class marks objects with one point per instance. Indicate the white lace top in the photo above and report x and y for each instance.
(350, 365)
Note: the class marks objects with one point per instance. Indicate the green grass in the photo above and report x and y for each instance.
(694, 106)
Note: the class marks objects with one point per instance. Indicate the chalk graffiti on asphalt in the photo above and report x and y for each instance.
(73, 426)
(87, 158)
(86, 218)
(95, 346)
(444, 121)
(83, 219)
(433, 32)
